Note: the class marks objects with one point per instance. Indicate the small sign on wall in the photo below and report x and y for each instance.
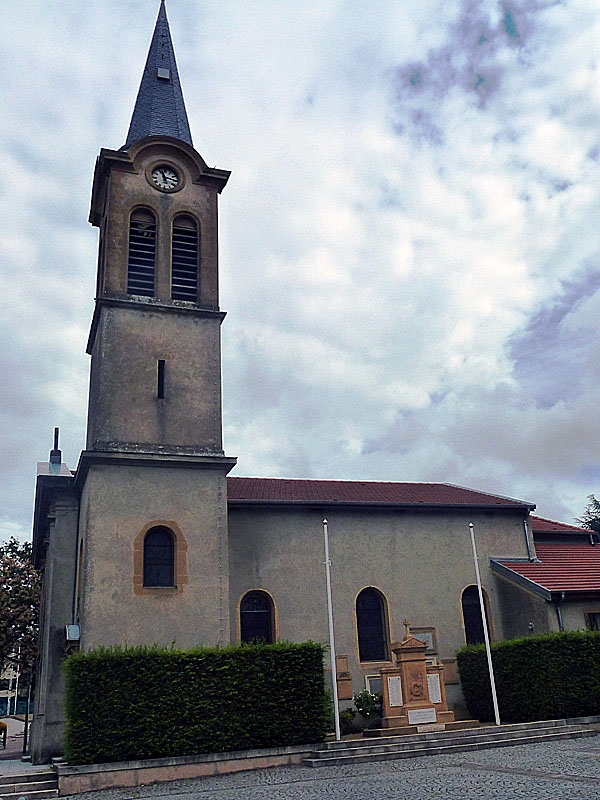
(395, 691)
(433, 685)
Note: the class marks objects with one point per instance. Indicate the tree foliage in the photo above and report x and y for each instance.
(591, 515)
(19, 604)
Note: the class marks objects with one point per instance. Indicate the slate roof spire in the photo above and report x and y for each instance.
(159, 108)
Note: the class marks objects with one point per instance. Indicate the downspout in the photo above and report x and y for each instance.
(559, 615)
(78, 566)
(530, 555)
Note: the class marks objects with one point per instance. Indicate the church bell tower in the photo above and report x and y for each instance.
(152, 551)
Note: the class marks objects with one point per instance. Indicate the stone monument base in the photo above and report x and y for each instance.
(404, 730)
(412, 718)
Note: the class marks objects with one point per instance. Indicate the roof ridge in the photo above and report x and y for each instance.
(491, 494)
(558, 522)
(373, 481)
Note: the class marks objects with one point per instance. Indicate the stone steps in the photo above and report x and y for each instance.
(31, 785)
(438, 743)
(417, 741)
(383, 736)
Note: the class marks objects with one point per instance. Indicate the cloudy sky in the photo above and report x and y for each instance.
(410, 239)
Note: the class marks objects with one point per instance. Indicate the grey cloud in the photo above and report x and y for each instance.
(550, 356)
(591, 473)
(472, 61)
(562, 186)
(28, 413)
(255, 382)
(496, 440)
(422, 123)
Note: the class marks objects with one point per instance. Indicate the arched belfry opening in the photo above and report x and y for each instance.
(185, 249)
(141, 259)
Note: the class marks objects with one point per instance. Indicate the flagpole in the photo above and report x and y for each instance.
(336, 710)
(485, 627)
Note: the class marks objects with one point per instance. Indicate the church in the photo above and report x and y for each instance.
(150, 539)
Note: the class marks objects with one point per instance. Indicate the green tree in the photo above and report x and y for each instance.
(591, 515)
(19, 604)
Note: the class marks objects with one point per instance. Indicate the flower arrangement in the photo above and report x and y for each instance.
(368, 704)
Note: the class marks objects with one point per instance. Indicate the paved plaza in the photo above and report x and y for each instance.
(566, 770)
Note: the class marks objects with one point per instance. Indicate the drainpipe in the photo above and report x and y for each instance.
(530, 555)
(559, 615)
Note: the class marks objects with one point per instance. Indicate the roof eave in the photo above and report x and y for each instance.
(519, 580)
(105, 161)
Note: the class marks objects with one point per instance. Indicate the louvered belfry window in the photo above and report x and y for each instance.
(142, 253)
(184, 284)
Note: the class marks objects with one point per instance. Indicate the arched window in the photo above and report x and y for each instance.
(371, 622)
(472, 615)
(159, 557)
(257, 618)
(184, 259)
(142, 253)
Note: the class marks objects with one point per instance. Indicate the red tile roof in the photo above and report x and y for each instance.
(543, 525)
(562, 567)
(280, 490)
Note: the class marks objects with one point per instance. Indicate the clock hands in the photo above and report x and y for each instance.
(165, 178)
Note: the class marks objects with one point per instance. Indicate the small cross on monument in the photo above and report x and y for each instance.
(406, 624)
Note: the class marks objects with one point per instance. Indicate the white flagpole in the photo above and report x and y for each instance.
(485, 627)
(336, 710)
(17, 683)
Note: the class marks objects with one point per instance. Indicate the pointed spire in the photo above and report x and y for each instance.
(159, 108)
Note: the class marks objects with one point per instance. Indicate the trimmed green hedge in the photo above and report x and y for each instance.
(553, 676)
(132, 703)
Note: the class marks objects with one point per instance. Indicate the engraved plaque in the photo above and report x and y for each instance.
(435, 692)
(419, 716)
(395, 691)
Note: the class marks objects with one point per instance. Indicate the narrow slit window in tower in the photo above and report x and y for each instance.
(185, 250)
(142, 253)
(160, 387)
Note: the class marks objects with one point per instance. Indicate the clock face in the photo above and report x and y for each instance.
(165, 178)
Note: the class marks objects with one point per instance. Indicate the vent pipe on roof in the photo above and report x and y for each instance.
(55, 454)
